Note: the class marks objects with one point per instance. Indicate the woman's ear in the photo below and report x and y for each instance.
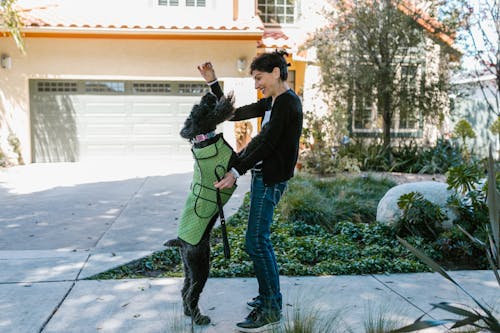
(276, 72)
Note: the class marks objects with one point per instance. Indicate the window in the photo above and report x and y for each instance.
(407, 105)
(170, 3)
(405, 119)
(363, 109)
(192, 88)
(186, 3)
(364, 112)
(104, 87)
(151, 87)
(56, 86)
(277, 11)
(195, 3)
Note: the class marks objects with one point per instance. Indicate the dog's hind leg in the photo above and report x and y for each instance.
(186, 289)
(198, 258)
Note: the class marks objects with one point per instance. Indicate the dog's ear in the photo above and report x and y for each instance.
(200, 119)
(187, 129)
(224, 109)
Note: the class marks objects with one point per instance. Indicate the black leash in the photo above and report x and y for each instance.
(225, 241)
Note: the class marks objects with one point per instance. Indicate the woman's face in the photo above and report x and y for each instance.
(266, 82)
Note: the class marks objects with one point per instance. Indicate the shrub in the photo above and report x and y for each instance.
(408, 157)
(419, 217)
(326, 201)
(471, 204)
(318, 151)
(454, 247)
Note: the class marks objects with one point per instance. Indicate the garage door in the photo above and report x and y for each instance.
(86, 120)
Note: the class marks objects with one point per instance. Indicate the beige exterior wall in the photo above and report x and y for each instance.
(125, 59)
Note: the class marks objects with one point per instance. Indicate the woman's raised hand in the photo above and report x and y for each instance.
(207, 71)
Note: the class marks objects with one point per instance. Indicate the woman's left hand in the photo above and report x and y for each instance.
(226, 182)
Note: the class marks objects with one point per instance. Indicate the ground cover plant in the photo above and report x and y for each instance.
(322, 227)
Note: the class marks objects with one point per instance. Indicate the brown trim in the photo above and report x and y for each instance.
(138, 36)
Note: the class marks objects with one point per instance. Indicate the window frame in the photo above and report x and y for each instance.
(182, 3)
(274, 4)
(374, 126)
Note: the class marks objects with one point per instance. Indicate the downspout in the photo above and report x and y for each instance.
(236, 9)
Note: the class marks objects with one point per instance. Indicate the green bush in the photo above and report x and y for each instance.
(419, 217)
(454, 247)
(469, 182)
(407, 157)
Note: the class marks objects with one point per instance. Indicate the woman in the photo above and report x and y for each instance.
(271, 156)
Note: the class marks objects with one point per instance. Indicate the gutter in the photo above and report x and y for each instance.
(141, 33)
(481, 78)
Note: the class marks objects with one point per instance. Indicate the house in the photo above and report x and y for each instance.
(437, 54)
(116, 78)
(470, 102)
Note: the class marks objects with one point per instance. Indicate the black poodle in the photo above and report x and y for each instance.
(213, 158)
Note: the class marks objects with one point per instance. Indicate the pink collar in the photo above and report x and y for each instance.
(202, 137)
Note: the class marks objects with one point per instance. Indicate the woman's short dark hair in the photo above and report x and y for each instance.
(266, 62)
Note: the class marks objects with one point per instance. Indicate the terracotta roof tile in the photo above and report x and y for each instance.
(429, 23)
(275, 39)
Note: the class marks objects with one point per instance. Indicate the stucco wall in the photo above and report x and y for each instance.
(471, 105)
(125, 59)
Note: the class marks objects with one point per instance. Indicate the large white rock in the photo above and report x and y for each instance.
(388, 211)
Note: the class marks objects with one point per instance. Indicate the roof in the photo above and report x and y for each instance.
(275, 38)
(429, 23)
(127, 17)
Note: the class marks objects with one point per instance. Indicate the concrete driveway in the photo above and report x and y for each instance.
(105, 214)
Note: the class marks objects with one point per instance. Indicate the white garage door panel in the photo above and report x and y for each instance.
(104, 151)
(158, 130)
(80, 123)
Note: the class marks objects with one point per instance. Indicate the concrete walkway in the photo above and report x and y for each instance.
(61, 223)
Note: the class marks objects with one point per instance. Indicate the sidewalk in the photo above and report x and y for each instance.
(61, 223)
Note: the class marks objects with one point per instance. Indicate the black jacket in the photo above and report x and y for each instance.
(277, 145)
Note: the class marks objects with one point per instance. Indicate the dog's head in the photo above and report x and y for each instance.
(206, 115)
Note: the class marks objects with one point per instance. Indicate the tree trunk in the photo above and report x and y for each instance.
(384, 105)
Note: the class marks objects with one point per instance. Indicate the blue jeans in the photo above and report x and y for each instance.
(263, 200)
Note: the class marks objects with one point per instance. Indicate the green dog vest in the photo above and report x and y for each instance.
(201, 203)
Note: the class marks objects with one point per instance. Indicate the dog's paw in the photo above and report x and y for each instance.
(173, 243)
(201, 319)
(198, 318)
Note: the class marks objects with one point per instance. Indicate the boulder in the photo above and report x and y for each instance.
(388, 211)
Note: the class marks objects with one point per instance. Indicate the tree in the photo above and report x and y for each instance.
(482, 34)
(463, 130)
(371, 54)
(10, 20)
